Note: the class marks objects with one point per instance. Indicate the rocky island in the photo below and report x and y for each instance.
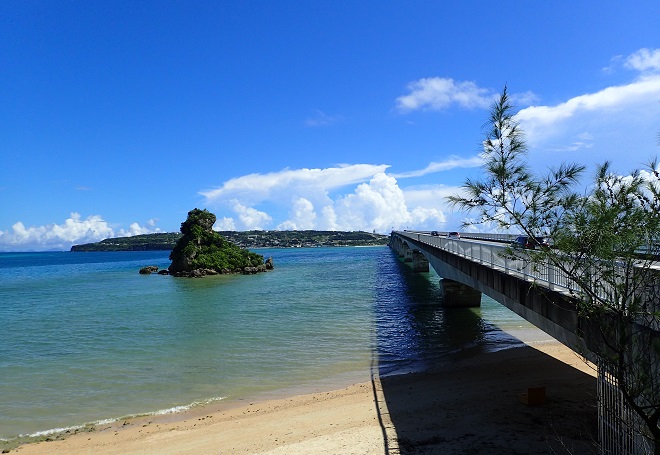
(201, 251)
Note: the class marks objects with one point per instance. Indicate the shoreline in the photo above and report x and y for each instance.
(470, 402)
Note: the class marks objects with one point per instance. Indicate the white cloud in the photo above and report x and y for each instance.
(428, 217)
(436, 93)
(135, 229)
(74, 230)
(432, 196)
(644, 60)
(617, 115)
(302, 216)
(376, 204)
(251, 218)
(611, 123)
(524, 99)
(610, 98)
(254, 188)
(572, 147)
(450, 163)
(320, 118)
(329, 218)
(224, 224)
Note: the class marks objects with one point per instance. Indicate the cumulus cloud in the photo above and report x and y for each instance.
(225, 224)
(329, 218)
(251, 218)
(437, 93)
(74, 230)
(255, 188)
(302, 216)
(428, 217)
(378, 203)
(430, 195)
(136, 229)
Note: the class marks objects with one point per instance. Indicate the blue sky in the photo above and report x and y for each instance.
(118, 117)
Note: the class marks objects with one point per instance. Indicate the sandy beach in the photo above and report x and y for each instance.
(471, 406)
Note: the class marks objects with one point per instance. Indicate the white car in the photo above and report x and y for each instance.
(454, 235)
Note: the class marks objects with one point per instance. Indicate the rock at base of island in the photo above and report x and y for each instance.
(198, 273)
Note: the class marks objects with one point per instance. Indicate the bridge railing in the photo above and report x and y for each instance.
(503, 238)
(543, 273)
(494, 256)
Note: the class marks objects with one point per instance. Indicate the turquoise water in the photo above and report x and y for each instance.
(86, 338)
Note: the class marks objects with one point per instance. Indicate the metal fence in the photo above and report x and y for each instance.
(493, 255)
(619, 428)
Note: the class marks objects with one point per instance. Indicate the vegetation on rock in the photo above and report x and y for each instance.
(202, 251)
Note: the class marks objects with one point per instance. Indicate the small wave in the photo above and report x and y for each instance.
(74, 428)
(40, 434)
(194, 404)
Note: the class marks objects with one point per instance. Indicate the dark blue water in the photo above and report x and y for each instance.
(85, 337)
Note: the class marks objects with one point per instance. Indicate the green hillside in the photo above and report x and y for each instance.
(244, 239)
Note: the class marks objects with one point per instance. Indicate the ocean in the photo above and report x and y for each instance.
(87, 339)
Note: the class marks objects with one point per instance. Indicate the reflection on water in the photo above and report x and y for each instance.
(415, 332)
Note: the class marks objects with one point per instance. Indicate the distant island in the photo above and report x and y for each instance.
(243, 239)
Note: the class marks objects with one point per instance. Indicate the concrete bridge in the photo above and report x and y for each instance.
(474, 265)
(545, 297)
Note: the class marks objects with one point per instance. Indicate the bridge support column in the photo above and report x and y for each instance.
(407, 255)
(401, 249)
(420, 263)
(455, 294)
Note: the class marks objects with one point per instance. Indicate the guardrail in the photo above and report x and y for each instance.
(504, 238)
(544, 274)
(541, 273)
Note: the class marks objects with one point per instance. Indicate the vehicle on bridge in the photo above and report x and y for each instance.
(525, 241)
(454, 235)
(435, 233)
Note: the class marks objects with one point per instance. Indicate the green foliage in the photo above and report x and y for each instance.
(244, 239)
(202, 248)
(510, 196)
(144, 242)
(200, 219)
(604, 241)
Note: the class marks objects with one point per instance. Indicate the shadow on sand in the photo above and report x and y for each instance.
(464, 396)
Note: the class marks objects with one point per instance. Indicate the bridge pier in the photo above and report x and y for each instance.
(455, 294)
(419, 262)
